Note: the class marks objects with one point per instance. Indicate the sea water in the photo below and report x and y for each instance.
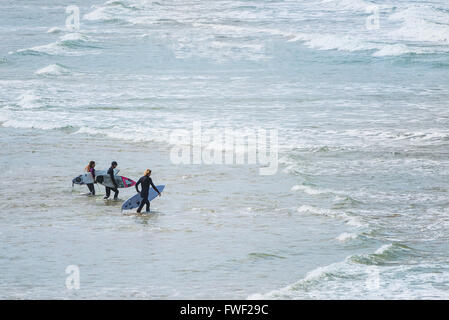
(357, 92)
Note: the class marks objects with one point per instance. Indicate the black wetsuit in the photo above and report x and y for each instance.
(91, 185)
(145, 181)
(108, 190)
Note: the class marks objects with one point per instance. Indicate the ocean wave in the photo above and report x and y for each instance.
(379, 279)
(75, 36)
(353, 5)
(343, 201)
(310, 190)
(423, 32)
(262, 255)
(55, 30)
(130, 134)
(124, 4)
(98, 14)
(31, 112)
(388, 254)
(385, 136)
(384, 248)
(53, 70)
(345, 236)
(32, 125)
(217, 40)
(29, 100)
(71, 44)
(415, 24)
(392, 50)
(338, 42)
(349, 219)
(421, 23)
(356, 43)
(112, 11)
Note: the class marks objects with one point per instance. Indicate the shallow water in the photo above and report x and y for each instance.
(358, 207)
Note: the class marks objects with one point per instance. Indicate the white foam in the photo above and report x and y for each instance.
(392, 50)
(384, 248)
(53, 70)
(338, 42)
(29, 100)
(354, 221)
(351, 280)
(416, 23)
(31, 124)
(289, 291)
(58, 48)
(309, 190)
(421, 23)
(423, 32)
(351, 220)
(97, 15)
(358, 5)
(55, 30)
(345, 236)
(75, 36)
(130, 134)
(51, 48)
(314, 210)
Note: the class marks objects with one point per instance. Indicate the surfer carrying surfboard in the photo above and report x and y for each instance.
(145, 181)
(111, 174)
(91, 168)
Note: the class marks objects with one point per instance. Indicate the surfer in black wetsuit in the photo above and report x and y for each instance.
(91, 168)
(111, 174)
(145, 181)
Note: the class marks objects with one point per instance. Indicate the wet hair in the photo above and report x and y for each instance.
(113, 163)
(147, 172)
(90, 165)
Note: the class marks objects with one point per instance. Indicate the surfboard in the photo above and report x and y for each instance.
(87, 177)
(134, 201)
(122, 182)
(83, 179)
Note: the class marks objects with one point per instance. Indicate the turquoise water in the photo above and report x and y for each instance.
(361, 192)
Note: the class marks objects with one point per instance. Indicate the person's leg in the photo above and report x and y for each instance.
(141, 206)
(143, 201)
(108, 192)
(148, 205)
(116, 193)
(91, 188)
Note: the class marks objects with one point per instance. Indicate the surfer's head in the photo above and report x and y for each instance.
(91, 165)
(147, 172)
(113, 164)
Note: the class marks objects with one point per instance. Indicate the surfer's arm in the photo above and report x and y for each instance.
(138, 182)
(154, 187)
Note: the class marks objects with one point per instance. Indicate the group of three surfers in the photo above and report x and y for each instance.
(144, 181)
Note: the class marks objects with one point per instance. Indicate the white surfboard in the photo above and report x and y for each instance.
(87, 177)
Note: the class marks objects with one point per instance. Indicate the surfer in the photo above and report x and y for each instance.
(146, 181)
(91, 168)
(111, 174)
